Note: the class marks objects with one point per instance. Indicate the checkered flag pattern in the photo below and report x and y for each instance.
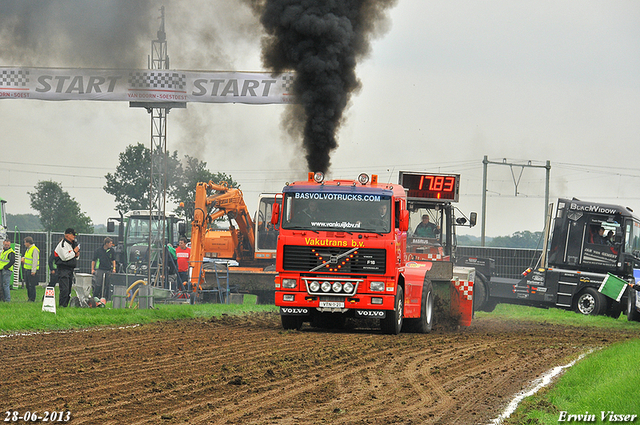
(287, 82)
(14, 78)
(157, 80)
(465, 288)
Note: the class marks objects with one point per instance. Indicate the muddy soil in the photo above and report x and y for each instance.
(247, 370)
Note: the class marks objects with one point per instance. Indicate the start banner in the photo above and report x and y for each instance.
(145, 85)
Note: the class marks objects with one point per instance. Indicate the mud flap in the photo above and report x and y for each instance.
(454, 298)
(442, 305)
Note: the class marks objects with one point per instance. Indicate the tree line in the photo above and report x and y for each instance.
(129, 185)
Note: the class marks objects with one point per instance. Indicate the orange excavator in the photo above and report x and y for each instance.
(251, 244)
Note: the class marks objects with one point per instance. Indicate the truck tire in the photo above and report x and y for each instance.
(424, 323)
(291, 322)
(392, 324)
(632, 311)
(481, 301)
(590, 302)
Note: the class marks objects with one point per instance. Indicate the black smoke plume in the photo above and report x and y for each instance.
(62, 33)
(322, 41)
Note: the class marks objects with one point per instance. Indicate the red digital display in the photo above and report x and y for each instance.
(431, 186)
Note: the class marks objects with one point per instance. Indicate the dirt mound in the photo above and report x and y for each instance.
(247, 370)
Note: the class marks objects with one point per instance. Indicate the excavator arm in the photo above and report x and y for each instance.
(225, 201)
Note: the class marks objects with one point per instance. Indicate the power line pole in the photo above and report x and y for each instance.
(485, 162)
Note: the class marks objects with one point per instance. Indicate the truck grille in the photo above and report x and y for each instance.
(362, 261)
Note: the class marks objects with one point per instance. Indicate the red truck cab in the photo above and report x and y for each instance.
(342, 254)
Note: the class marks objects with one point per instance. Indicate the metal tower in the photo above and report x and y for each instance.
(156, 261)
(159, 59)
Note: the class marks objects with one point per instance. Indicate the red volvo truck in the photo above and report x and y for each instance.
(344, 252)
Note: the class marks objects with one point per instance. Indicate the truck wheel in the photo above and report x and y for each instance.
(632, 311)
(291, 322)
(424, 324)
(590, 302)
(481, 294)
(392, 324)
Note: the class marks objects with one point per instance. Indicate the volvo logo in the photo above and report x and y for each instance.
(294, 311)
(380, 314)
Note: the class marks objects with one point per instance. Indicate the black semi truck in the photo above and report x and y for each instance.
(589, 240)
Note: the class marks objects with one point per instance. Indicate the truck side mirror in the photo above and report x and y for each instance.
(111, 226)
(404, 221)
(275, 214)
(473, 219)
(181, 228)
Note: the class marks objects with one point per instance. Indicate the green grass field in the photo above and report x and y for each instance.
(22, 316)
(554, 315)
(605, 380)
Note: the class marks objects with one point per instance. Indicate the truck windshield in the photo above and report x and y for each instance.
(632, 238)
(337, 212)
(425, 223)
(138, 230)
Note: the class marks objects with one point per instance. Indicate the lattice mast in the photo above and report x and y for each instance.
(159, 59)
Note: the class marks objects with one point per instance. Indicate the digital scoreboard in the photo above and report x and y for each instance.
(430, 186)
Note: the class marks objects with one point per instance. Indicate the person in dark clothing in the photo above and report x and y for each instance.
(7, 260)
(53, 268)
(67, 253)
(599, 237)
(426, 229)
(102, 265)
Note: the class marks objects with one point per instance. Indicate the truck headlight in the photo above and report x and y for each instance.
(377, 286)
(326, 286)
(289, 283)
(314, 286)
(348, 287)
(337, 286)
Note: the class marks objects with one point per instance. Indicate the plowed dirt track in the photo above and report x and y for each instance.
(247, 370)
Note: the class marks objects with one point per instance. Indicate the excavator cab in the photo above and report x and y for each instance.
(266, 233)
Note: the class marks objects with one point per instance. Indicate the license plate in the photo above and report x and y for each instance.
(332, 304)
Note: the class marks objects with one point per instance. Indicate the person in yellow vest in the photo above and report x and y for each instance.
(31, 262)
(7, 259)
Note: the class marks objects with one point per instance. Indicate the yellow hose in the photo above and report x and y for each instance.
(135, 293)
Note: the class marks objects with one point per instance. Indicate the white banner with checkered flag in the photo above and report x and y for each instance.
(145, 85)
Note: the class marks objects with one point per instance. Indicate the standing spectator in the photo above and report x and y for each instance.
(171, 258)
(67, 253)
(7, 260)
(102, 265)
(183, 252)
(53, 268)
(31, 262)
(53, 276)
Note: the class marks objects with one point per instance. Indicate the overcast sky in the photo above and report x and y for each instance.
(449, 82)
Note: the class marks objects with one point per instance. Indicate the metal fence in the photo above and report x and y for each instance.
(510, 262)
(47, 241)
